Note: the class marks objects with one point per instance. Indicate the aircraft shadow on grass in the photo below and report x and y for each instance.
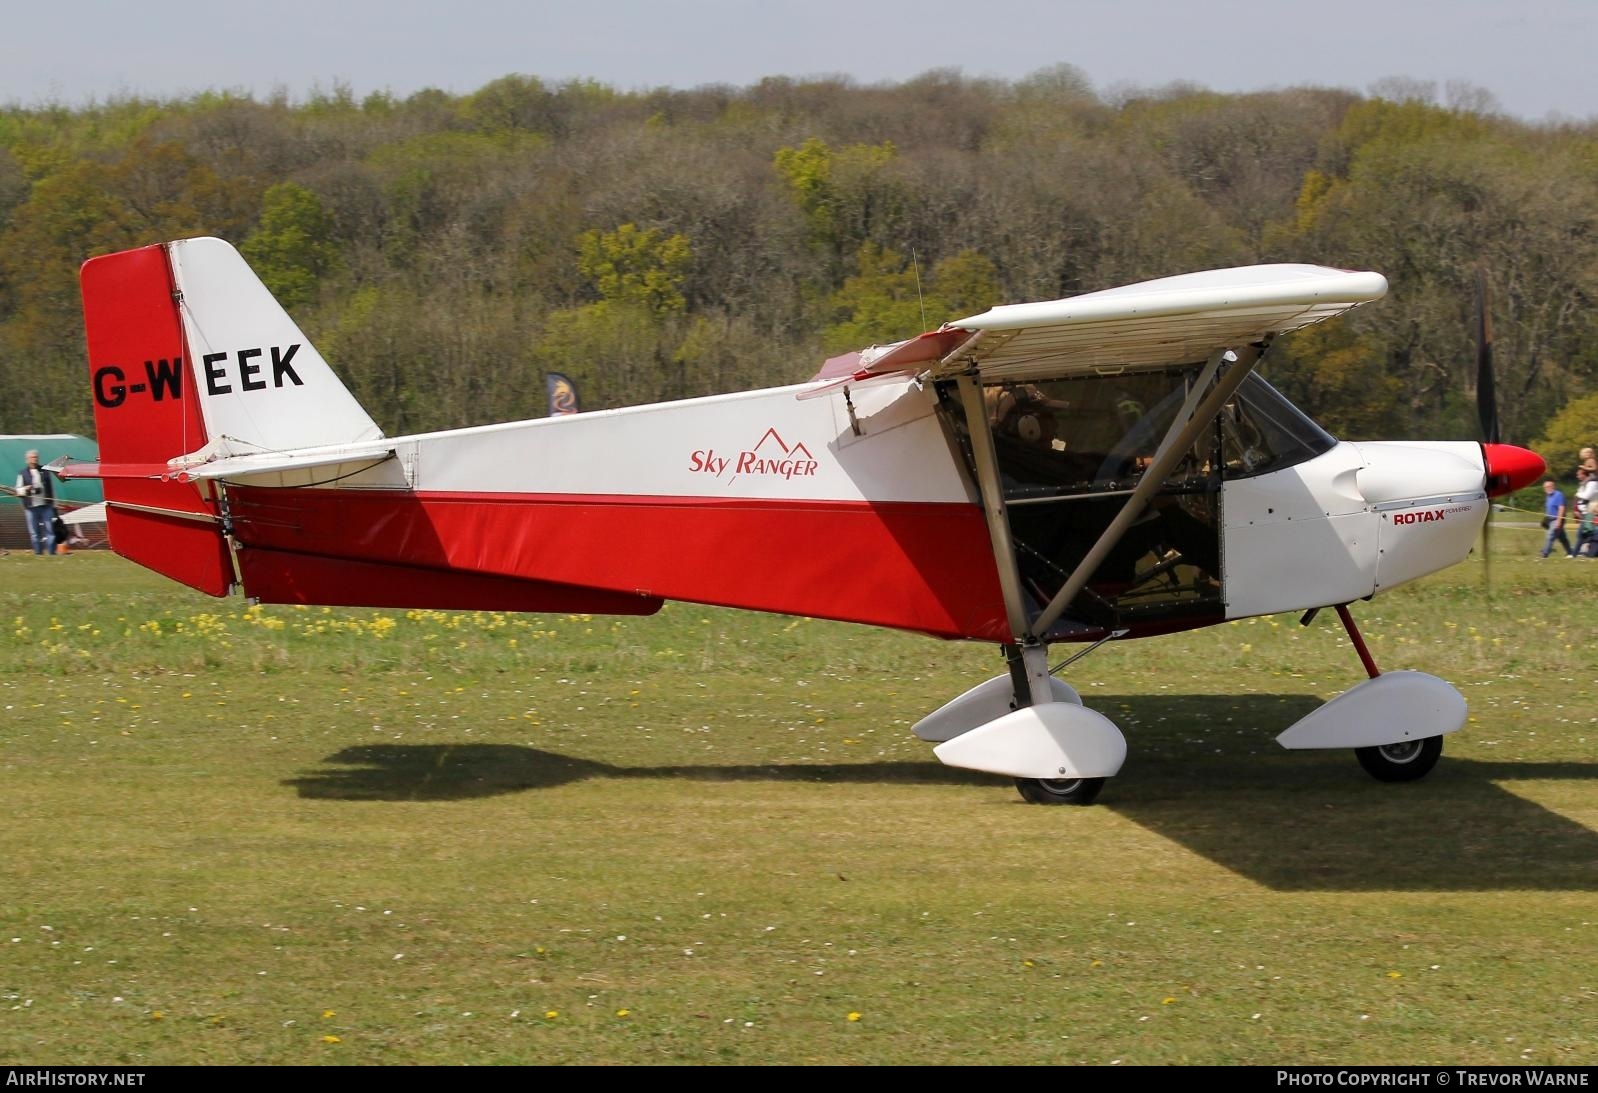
(1204, 771)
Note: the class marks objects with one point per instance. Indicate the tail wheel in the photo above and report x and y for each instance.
(1062, 791)
(1403, 762)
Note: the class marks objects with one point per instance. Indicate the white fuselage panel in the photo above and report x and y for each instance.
(755, 445)
(1355, 520)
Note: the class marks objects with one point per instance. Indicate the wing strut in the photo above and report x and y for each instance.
(986, 458)
(1183, 432)
(1028, 658)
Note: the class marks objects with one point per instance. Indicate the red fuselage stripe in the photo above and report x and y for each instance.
(907, 565)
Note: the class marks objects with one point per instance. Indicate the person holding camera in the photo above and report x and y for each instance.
(38, 504)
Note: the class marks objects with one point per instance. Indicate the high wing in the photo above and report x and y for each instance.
(1152, 324)
(1155, 323)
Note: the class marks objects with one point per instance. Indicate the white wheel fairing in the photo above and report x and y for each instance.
(985, 702)
(1055, 741)
(1393, 709)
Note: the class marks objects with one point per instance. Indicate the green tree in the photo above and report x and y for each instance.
(885, 301)
(1428, 196)
(877, 304)
(1337, 377)
(963, 284)
(619, 354)
(848, 194)
(292, 249)
(624, 348)
(1573, 428)
(69, 215)
(642, 268)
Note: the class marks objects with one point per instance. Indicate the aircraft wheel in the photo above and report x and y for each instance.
(1403, 762)
(1059, 791)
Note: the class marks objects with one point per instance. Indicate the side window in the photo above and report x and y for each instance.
(1087, 435)
(1069, 452)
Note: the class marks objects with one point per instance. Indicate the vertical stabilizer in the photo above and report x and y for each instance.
(192, 359)
(262, 385)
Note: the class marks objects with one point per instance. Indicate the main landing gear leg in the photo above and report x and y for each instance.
(1029, 667)
(1402, 762)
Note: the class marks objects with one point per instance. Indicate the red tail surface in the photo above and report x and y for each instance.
(146, 413)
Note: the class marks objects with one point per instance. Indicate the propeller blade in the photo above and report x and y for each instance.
(1487, 552)
(1486, 410)
(1486, 389)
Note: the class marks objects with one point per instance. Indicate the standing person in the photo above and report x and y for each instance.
(1554, 518)
(38, 504)
(1586, 510)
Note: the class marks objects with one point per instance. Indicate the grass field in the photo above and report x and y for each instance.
(275, 836)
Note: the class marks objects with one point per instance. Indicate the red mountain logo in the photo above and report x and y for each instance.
(772, 435)
(770, 457)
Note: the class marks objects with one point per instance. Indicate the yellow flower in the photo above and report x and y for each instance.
(1395, 975)
(624, 1013)
(330, 1039)
(550, 1015)
(854, 1017)
(329, 1013)
(1167, 1000)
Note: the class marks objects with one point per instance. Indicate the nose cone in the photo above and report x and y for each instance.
(1509, 468)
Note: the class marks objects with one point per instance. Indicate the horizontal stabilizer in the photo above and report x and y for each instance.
(244, 467)
(152, 472)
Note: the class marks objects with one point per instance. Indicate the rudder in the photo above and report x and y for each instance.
(144, 415)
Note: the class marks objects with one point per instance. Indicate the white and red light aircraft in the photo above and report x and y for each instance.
(1107, 466)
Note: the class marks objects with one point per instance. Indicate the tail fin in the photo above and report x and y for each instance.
(190, 357)
(262, 385)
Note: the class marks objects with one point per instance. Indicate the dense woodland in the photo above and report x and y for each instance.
(445, 251)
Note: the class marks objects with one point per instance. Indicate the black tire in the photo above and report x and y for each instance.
(1061, 791)
(1403, 762)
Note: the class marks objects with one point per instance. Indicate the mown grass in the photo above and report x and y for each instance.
(274, 836)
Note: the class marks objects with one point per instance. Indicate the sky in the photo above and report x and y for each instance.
(1535, 57)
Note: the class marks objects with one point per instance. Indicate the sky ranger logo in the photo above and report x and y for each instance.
(1426, 516)
(771, 457)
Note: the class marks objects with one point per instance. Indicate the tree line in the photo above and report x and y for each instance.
(445, 251)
